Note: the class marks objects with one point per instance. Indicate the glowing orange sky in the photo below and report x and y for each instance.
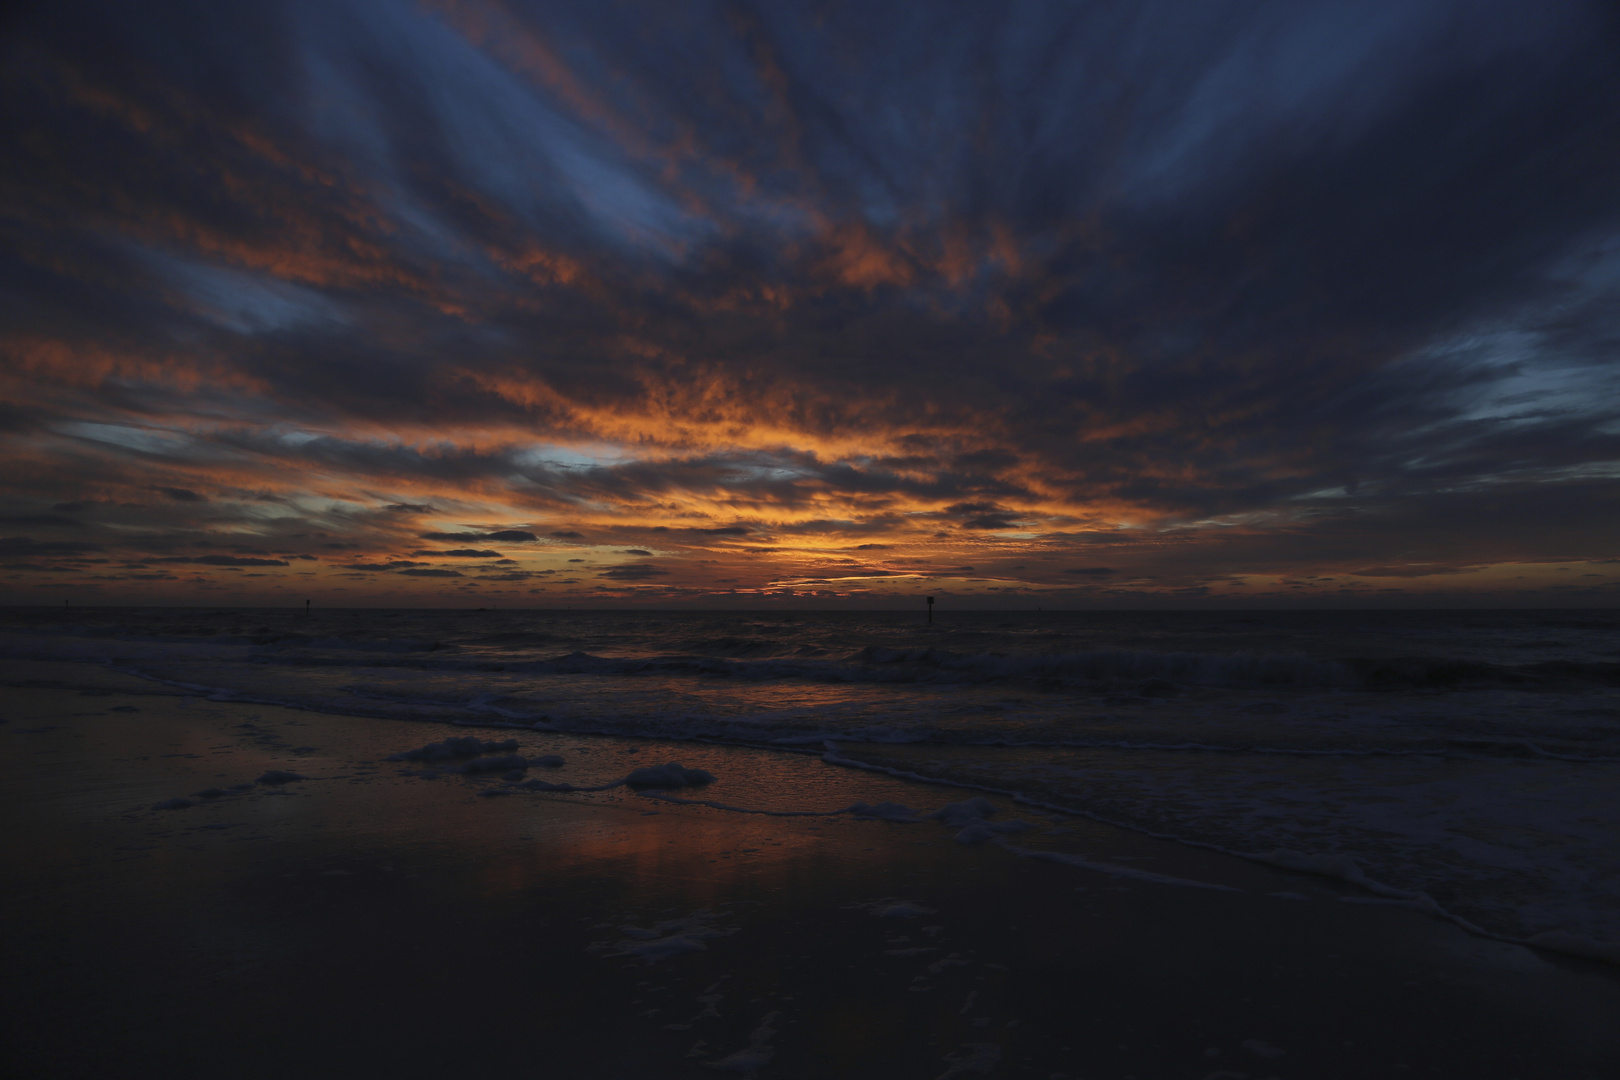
(311, 312)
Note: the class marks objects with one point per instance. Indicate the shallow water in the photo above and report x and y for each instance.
(1471, 758)
(366, 920)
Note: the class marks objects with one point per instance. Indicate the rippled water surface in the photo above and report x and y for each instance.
(1470, 757)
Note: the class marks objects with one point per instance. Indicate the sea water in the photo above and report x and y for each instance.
(1465, 763)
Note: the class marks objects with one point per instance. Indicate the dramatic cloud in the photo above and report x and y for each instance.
(509, 535)
(24, 546)
(221, 560)
(634, 572)
(1173, 301)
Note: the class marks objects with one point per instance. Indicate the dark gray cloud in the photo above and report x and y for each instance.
(1288, 277)
(220, 560)
(26, 546)
(633, 572)
(55, 521)
(513, 536)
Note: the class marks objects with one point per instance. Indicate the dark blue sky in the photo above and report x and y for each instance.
(1089, 303)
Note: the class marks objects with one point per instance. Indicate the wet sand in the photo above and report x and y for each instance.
(365, 920)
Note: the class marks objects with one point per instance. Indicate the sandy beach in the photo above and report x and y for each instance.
(364, 919)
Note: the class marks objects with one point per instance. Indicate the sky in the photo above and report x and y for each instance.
(1173, 303)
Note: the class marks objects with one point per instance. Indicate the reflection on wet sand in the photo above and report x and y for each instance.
(366, 920)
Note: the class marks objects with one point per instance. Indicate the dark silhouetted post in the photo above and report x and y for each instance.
(930, 610)
(306, 607)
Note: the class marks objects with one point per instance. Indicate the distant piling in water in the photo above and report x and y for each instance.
(930, 600)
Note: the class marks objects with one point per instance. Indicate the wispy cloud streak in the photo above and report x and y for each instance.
(1099, 303)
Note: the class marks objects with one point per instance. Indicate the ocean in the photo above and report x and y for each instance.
(1463, 763)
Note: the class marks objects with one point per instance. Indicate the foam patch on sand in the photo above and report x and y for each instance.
(970, 816)
(967, 812)
(669, 775)
(980, 831)
(891, 907)
(757, 1054)
(463, 746)
(974, 1058)
(673, 937)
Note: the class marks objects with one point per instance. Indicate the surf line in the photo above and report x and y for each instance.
(879, 811)
(1341, 867)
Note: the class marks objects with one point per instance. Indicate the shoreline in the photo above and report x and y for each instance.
(119, 912)
(1339, 868)
(1342, 868)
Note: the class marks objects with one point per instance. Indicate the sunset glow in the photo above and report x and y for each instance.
(496, 303)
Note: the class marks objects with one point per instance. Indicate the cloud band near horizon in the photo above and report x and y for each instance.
(1222, 302)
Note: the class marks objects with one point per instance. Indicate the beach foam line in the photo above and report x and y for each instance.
(1113, 869)
(880, 811)
(1517, 747)
(1574, 944)
(1568, 942)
